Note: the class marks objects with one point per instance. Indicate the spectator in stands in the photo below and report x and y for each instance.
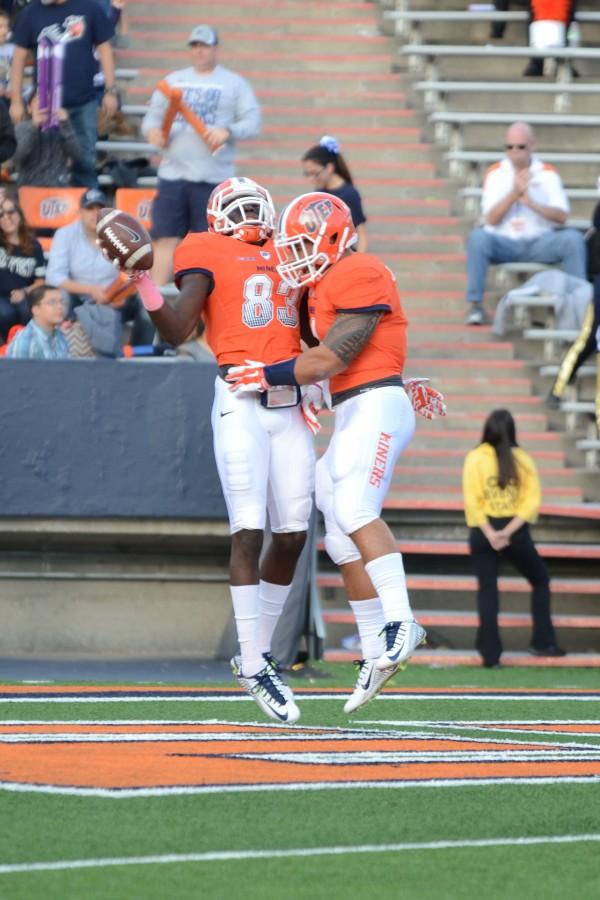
(22, 266)
(6, 55)
(44, 158)
(77, 266)
(502, 496)
(82, 25)
(587, 341)
(42, 338)
(327, 170)
(192, 166)
(524, 206)
(549, 23)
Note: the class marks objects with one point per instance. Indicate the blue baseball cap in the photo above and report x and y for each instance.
(204, 34)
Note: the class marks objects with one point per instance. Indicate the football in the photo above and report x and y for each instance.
(124, 240)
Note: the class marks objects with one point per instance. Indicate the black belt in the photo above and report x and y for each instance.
(390, 381)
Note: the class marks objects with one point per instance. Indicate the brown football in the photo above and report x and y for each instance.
(124, 240)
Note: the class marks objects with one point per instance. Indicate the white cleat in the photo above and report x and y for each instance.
(402, 639)
(268, 690)
(368, 684)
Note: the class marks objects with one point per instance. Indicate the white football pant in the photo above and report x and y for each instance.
(354, 475)
(265, 459)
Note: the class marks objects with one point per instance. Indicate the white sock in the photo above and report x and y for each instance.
(387, 574)
(370, 621)
(245, 609)
(272, 599)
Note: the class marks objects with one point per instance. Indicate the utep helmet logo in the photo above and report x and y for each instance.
(51, 207)
(315, 214)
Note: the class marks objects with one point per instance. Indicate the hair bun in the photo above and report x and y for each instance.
(329, 143)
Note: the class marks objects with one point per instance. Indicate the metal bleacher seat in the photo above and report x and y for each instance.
(449, 125)
(436, 93)
(426, 57)
(409, 23)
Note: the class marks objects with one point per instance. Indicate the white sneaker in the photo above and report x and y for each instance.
(476, 316)
(368, 684)
(268, 691)
(275, 666)
(401, 639)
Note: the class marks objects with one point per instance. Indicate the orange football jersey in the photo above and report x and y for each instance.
(250, 312)
(362, 283)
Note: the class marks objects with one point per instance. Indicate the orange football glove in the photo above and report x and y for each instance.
(425, 400)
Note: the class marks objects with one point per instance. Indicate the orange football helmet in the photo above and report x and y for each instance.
(241, 208)
(313, 231)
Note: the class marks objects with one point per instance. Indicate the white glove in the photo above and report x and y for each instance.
(312, 401)
(425, 400)
(250, 377)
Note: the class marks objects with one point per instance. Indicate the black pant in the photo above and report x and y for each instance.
(522, 553)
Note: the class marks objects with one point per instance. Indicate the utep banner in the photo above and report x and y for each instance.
(105, 438)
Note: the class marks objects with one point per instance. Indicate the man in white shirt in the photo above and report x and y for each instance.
(191, 166)
(524, 207)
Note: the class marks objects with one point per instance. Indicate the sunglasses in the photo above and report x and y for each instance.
(515, 146)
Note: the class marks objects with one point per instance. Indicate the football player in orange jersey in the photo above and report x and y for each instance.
(356, 313)
(263, 448)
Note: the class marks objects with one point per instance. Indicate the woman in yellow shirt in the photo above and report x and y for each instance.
(502, 496)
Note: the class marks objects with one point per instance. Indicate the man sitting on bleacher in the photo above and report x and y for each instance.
(524, 207)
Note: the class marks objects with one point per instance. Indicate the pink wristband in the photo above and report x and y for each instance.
(151, 296)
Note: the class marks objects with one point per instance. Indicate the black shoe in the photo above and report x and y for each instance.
(550, 650)
(552, 401)
(534, 68)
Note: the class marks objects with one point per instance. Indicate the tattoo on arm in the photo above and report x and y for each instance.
(349, 334)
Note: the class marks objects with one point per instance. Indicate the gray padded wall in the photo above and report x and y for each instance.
(107, 438)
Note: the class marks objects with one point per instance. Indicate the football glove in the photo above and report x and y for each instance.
(250, 377)
(425, 400)
(312, 401)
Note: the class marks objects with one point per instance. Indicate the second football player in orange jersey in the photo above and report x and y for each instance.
(356, 313)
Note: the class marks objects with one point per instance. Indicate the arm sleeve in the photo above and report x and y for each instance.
(494, 189)
(248, 119)
(8, 143)
(102, 29)
(156, 112)
(472, 494)
(59, 268)
(554, 191)
(530, 493)
(40, 261)
(27, 136)
(69, 140)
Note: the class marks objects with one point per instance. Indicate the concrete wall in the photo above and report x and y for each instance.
(105, 438)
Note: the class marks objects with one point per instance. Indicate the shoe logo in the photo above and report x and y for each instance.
(227, 412)
(368, 681)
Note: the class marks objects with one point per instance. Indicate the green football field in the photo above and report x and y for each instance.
(457, 783)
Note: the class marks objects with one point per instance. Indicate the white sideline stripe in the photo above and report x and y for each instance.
(195, 698)
(227, 855)
(128, 793)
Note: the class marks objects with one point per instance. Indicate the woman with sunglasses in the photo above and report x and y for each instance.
(326, 169)
(22, 266)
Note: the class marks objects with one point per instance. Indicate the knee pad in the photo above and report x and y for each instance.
(350, 519)
(341, 549)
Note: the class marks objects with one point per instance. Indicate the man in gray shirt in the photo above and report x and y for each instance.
(192, 166)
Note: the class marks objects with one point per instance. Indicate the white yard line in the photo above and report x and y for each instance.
(227, 856)
(129, 793)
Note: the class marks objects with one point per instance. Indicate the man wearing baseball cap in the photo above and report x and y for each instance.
(193, 165)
